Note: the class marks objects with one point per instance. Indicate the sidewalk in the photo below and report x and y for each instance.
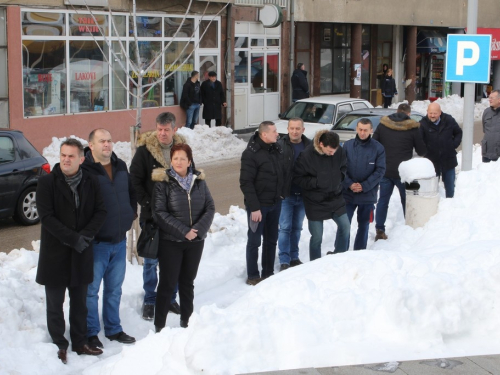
(479, 365)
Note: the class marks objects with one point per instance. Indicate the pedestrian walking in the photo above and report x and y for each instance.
(490, 145)
(191, 99)
(300, 86)
(213, 99)
(388, 86)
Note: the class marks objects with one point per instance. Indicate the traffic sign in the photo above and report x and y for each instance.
(468, 58)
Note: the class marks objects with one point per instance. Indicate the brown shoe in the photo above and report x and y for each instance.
(62, 354)
(254, 281)
(85, 349)
(380, 235)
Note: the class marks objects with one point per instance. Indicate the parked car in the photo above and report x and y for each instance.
(319, 112)
(20, 167)
(346, 125)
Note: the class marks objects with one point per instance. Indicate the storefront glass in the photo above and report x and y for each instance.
(174, 25)
(147, 27)
(87, 24)
(148, 51)
(335, 58)
(179, 63)
(209, 34)
(119, 78)
(43, 23)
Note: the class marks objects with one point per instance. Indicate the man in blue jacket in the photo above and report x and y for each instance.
(110, 242)
(365, 170)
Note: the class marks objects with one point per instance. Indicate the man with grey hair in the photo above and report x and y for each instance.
(153, 151)
(490, 145)
(261, 181)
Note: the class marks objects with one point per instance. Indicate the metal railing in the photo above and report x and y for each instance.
(280, 3)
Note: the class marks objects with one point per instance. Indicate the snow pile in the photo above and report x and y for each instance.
(415, 169)
(208, 144)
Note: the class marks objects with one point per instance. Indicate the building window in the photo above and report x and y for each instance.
(335, 58)
(179, 63)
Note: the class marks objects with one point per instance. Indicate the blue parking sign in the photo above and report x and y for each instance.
(468, 58)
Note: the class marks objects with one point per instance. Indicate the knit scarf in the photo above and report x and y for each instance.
(185, 182)
(73, 182)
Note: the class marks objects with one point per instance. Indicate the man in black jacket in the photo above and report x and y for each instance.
(442, 135)
(72, 211)
(261, 181)
(319, 171)
(292, 208)
(213, 99)
(191, 99)
(153, 151)
(300, 87)
(399, 135)
(110, 243)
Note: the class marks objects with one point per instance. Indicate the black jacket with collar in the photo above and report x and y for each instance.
(261, 173)
(177, 211)
(59, 263)
(288, 161)
(300, 87)
(191, 94)
(212, 98)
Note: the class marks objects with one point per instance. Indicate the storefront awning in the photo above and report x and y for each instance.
(430, 41)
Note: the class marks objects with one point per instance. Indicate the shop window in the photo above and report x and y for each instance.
(147, 27)
(174, 25)
(326, 71)
(240, 67)
(303, 35)
(272, 69)
(207, 64)
(119, 80)
(178, 67)
(241, 42)
(44, 77)
(87, 24)
(148, 52)
(273, 42)
(43, 23)
(257, 43)
(209, 32)
(119, 26)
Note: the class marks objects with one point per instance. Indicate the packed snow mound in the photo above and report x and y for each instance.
(209, 145)
(415, 169)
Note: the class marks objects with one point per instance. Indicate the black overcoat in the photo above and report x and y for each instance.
(212, 98)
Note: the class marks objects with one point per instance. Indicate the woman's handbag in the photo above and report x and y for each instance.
(149, 239)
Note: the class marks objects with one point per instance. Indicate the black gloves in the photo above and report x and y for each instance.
(82, 243)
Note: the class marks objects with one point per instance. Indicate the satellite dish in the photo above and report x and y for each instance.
(270, 15)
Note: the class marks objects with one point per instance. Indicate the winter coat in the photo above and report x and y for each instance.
(59, 263)
(190, 94)
(212, 99)
(365, 165)
(148, 156)
(261, 173)
(441, 141)
(490, 144)
(177, 211)
(320, 176)
(118, 195)
(288, 161)
(399, 135)
(388, 86)
(300, 87)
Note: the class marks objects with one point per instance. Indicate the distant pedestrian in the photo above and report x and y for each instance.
(442, 136)
(319, 171)
(381, 75)
(490, 146)
(72, 211)
(388, 87)
(292, 208)
(300, 86)
(191, 99)
(365, 170)
(213, 98)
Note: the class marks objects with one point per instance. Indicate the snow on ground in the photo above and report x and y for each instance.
(209, 145)
(431, 292)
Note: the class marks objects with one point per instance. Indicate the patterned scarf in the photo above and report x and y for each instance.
(73, 182)
(185, 182)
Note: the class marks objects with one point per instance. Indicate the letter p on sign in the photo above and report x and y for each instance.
(468, 58)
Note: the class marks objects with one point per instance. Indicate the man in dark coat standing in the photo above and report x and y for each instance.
(261, 181)
(110, 243)
(72, 211)
(191, 99)
(442, 136)
(300, 87)
(319, 171)
(490, 145)
(365, 169)
(213, 98)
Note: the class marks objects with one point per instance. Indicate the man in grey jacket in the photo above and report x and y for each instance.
(491, 129)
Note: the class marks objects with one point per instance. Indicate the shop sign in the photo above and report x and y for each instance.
(179, 67)
(495, 41)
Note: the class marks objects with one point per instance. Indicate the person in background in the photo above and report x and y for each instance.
(191, 99)
(184, 211)
(300, 86)
(442, 136)
(213, 99)
(490, 145)
(388, 87)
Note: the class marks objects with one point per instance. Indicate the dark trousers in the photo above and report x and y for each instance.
(487, 160)
(178, 261)
(218, 121)
(387, 101)
(77, 315)
(363, 216)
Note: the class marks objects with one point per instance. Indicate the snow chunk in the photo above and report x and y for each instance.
(415, 169)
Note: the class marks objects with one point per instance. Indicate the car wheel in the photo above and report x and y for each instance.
(26, 212)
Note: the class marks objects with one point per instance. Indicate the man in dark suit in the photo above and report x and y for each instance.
(213, 99)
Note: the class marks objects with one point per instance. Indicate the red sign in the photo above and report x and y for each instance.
(495, 41)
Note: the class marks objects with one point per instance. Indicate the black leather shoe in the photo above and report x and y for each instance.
(85, 349)
(158, 329)
(184, 323)
(284, 266)
(295, 262)
(62, 354)
(175, 308)
(148, 312)
(122, 337)
(94, 342)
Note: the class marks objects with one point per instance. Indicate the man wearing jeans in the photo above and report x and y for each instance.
(365, 169)
(292, 208)
(110, 243)
(191, 99)
(399, 135)
(319, 171)
(153, 151)
(261, 181)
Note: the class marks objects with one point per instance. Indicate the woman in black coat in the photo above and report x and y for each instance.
(388, 88)
(184, 211)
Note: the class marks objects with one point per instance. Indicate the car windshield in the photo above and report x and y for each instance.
(349, 122)
(316, 113)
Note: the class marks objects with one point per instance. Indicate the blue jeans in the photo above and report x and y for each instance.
(109, 266)
(363, 216)
(341, 240)
(386, 188)
(267, 228)
(192, 114)
(291, 219)
(448, 177)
